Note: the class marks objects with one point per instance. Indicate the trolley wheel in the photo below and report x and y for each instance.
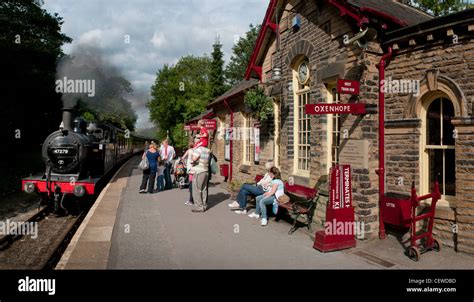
(436, 245)
(413, 253)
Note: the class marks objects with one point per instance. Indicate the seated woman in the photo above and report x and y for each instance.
(270, 197)
(250, 190)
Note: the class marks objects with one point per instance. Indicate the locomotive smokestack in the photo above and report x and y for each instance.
(67, 118)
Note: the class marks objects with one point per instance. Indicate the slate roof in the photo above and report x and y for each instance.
(240, 87)
(400, 11)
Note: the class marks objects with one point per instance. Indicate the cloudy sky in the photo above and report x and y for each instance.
(160, 31)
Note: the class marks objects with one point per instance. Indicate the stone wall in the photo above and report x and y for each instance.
(320, 40)
(443, 69)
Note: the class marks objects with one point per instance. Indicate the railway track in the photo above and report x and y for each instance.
(42, 252)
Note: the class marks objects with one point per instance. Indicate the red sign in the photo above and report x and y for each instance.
(340, 195)
(210, 124)
(347, 87)
(335, 185)
(357, 108)
(193, 127)
(340, 228)
(346, 186)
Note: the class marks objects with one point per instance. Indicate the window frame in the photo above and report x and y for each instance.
(425, 185)
(297, 92)
(247, 140)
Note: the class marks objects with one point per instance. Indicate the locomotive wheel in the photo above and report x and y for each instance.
(413, 253)
(436, 245)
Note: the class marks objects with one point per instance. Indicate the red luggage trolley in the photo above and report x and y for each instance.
(416, 249)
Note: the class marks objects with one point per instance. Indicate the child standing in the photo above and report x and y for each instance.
(161, 175)
(187, 157)
(203, 135)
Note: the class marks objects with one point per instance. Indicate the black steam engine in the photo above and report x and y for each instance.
(77, 157)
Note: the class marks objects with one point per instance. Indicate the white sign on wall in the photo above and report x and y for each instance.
(257, 144)
(227, 144)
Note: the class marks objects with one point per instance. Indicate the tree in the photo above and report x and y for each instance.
(217, 78)
(30, 47)
(241, 52)
(440, 8)
(180, 92)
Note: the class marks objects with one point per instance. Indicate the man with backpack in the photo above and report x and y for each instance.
(201, 158)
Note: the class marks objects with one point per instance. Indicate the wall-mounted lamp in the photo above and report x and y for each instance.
(296, 22)
(276, 74)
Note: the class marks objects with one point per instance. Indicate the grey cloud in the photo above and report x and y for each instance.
(185, 27)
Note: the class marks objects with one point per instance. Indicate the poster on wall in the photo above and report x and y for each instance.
(257, 144)
(227, 144)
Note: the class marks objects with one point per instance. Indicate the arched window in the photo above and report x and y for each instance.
(438, 146)
(302, 121)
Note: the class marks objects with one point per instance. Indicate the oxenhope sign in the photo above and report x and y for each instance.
(357, 108)
(348, 87)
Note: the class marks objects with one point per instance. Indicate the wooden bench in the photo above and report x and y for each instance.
(302, 202)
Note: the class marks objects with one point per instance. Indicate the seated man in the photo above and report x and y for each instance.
(264, 185)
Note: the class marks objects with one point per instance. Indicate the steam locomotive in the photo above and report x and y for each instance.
(77, 157)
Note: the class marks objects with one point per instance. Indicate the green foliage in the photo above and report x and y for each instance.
(235, 185)
(149, 132)
(88, 116)
(180, 92)
(179, 137)
(440, 8)
(30, 47)
(217, 80)
(259, 105)
(241, 53)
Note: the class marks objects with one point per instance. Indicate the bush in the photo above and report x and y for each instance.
(259, 105)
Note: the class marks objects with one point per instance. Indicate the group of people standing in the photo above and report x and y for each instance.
(159, 167)
(198, 165)
(197, 159)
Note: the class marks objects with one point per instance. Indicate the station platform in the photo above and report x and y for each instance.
(128, 230)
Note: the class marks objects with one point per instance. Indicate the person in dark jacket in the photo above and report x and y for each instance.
(149, 175)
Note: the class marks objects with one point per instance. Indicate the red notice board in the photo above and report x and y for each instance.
(348, 87)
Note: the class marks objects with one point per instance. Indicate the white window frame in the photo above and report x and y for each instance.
(247, 140)
(298, 91)
(277, 133)
(425, 185)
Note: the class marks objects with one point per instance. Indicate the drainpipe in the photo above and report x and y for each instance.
(381, 171)
(231, 143)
